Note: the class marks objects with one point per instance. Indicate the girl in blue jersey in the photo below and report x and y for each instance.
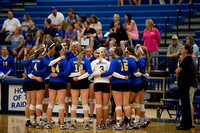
(28, 87)
(50, 51)
(79, 84)
(89, 55)
(57, 85)
(143, 63)
(38, 63)
(69, 55)
(7, 65)
(120, 87)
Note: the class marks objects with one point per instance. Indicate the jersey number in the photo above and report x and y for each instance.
(35, 66)
(55, 70)
(124, 67)
(78, 69)
(101, 68)
(5, 63)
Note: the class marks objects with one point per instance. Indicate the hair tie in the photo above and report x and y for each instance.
(53, 44)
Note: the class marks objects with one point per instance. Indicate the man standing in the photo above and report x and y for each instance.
(56, 17)
(173, 53)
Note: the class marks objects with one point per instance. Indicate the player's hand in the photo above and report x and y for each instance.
(39, 79)
(75, 78)
(82, 72)
(177, 75)
(126, 78)
(62, 57)
(54, 74)
(25, 75)
(97, 76)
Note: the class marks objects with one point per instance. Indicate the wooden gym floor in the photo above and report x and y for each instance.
(16, 124)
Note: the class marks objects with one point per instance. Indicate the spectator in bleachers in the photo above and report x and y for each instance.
(90, 33)
(39, 37)
(151, 37)
(70, 34)
(131, 28)
(64, 26)
(173, 53)
(121, 2)
(32, 29)
(119, 37)
(190, 40)
(29, 44)
(94, 23)
(17, 40)
(108, 34)
(58, 40)
(47, 40)
(48, 29)
(10, 24)
(83, 18)
(25, 24)
(72, 16)
(7, 65)
(56, 18)
(79, 29)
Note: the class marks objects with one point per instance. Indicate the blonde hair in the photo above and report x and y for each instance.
(41, 34)
(80, 51)
(59, 39)
(88, 47)
(144, 49)
(99, 53)
(104, 50)
(64, 24)
(31, 53)
(20, 30)
(39, 50)
(46, 36)
(151, 24)
(192, 42)
(116, 15)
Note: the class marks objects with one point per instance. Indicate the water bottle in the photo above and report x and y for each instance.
(158, 113)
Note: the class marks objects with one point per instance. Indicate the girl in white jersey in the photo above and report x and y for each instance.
(101, 88)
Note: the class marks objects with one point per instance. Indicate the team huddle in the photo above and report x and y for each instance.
(53, 72)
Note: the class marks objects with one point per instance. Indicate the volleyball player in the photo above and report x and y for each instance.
(50, 52)
(57, 86)
(91, 101)
(120, 87)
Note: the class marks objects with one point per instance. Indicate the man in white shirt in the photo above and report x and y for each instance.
(10, 24)
(56, 17)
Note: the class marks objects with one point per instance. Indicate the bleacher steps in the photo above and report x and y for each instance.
(181, 34)
(184, 27)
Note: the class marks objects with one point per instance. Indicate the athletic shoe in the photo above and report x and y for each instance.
(87, 127)
(112, 122)
(148, 121)
(73, 127)
(99, 127)
(117, 127)
(48, 126)
(91, 120)
(67, 119)
(52, 121)
(107, 120)
(123, 122)
(144, 124)
(39, 126)
(103, 126)
(137, 125)
(32, 125)
(27, 123)
(63, 127)
(129, 127)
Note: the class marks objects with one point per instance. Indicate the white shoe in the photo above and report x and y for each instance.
(67, 119)
(91, 120)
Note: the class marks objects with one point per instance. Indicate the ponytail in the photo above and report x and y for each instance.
(80, 51)
(144, 49)
(30, 54)
(122, 61)
(119, 52)
(39, 51)
(58, 49)
(99, 53)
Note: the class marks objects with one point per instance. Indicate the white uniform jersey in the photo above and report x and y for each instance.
(100, 67)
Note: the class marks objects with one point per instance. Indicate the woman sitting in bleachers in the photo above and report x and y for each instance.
(63, 28)
(39, 37)
(25, 24)
(47, 40)
(79, 28)
(96, 25)
(70, 34)
(17, 41)
(190, 40)
(131, 27)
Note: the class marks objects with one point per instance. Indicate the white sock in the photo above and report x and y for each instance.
(142, 120)
(27, 119)
(32, 119)
(146, 116)
(44, 115)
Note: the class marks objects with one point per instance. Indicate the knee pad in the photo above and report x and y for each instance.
(126, 107)
(91, 101)
(85, 107)
(51, 106)
(142, 107)
(67, 99)
(28, 106)
(118, 107)
(61, 106)
(74, 107)
(105, 107)
(39, 106)
(45, 101)
(136, 105)
(98, 105)
(32, 107)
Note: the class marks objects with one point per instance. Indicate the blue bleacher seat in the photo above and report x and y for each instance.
(197, 34)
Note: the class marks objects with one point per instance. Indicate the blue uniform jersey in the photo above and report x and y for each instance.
(72, 67)
(59, 68)
(48, 72)
(7, 66)
(91, 59)
(28, 71)
(38, 66)
(133, 69)
(142, 63)
(116, 66)
(69, 55)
